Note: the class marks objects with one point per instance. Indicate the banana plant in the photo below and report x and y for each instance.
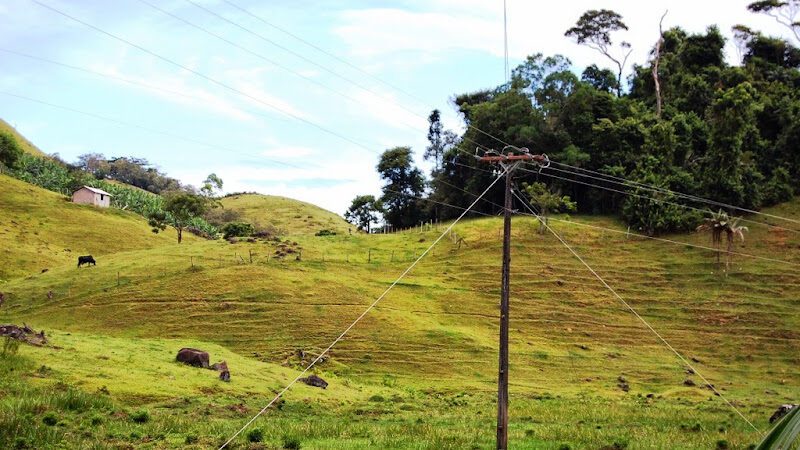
(784, 433)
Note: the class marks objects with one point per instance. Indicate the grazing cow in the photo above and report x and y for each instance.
(193, 357)
(86, 260)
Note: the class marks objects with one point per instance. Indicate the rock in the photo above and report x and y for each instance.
(24, 334)
(622, 383)
(689, 382)
(222, 368)
(781, 411)
(315, 381)
(193, 357)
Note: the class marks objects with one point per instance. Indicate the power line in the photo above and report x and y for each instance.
(300, 56)
(145, 128)
(249, 51)
(358, 319)
(652, 188)
(200, 74)
(323, 51)
(611, 230)
(704, 211)
(642, 319)
(266, 22)
(628, 233)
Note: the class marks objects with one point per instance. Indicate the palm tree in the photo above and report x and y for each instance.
(719, 223)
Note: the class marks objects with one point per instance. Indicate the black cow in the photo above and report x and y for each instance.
(86, 260)
(193, 357)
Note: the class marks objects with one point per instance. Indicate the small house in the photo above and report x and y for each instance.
(92, 196)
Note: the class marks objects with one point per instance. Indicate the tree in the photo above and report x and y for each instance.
(594, 29)
(732, 123)
(212, 186)
(404, 184)
(95, 164)
(545, 201)
(439, 139)
(363, 212)
(10, 151)
(784, 12)
(656, 61)
(600, 79)
(721, 223)
(179, 210)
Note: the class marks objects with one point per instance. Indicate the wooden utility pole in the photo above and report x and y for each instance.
(509, 162)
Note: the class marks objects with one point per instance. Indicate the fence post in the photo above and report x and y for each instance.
(191, 260)
(392, 255)
(118, 278)
(251, 255)
(369, 256)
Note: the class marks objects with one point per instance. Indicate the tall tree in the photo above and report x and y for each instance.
(732, 123)
(363, 212)
(404, 183)
(211, 186)
(439, 140)
(784, 12)
(179, 210)
(594, 29)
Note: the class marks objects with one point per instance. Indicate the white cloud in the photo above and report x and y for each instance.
(440, 26)
(176, 89)
(383, 107)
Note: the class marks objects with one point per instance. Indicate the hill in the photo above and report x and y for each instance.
(26, 145)
(292, 216)
(419, 370)
(40, 229)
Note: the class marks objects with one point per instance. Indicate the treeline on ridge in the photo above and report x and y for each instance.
(694, 125)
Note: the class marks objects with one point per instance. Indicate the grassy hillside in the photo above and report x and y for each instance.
(292, 216)
(419, 371)
(26, 145)
(40, 229)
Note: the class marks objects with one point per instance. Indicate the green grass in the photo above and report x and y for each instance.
(419, 370)
(26, 145)
(40, 230)
(292, 216)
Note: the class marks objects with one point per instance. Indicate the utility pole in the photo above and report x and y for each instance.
(509, 163)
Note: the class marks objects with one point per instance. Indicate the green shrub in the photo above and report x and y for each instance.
(291, 443)
(255, 435)
(191, 439)
(141, 416)
(722, 444)
(325, 232)
(376, 398)
(50, 419)
(237, 229)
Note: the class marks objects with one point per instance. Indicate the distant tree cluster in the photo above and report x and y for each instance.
(129, 170)
(685, 120)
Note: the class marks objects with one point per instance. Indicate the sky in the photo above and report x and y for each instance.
(226, 86)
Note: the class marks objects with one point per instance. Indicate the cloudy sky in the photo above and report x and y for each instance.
(220, 86)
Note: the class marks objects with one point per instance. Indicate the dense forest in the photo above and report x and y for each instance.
(684, 121)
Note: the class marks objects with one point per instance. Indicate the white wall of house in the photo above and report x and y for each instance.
(86, 197)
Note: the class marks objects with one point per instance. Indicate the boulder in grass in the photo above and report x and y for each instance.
(780, 412)
(315, 381)
(222, 368)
